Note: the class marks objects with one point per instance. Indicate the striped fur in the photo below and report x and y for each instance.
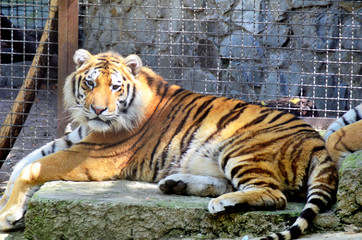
(344, 136)
(142, 128)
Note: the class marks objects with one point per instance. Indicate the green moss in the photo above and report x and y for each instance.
(353, 160)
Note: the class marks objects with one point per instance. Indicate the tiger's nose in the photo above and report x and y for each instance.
(98, 110)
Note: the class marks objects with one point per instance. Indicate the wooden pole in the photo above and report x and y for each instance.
(26, 96)
(67, 45)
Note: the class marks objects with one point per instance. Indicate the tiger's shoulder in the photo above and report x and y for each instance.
(344, 136)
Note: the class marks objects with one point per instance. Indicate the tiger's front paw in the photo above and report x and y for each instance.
(170, 186)
(220, 204)
(11, 219)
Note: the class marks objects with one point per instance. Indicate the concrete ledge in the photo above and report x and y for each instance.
(135, 210)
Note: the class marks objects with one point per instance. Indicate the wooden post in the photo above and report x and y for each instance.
(67, 45)
(24, 100)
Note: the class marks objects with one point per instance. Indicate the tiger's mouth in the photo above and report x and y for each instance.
(98, 124)
(98, 119)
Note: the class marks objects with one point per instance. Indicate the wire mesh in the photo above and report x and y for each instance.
(284, 52)
(300, 54)
(22, 25)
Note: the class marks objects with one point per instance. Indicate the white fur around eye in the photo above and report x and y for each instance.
(117, 81)
(93, 74)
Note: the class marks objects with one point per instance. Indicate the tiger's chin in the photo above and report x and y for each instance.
(99, 125)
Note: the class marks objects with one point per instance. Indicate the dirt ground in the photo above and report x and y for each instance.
(39, 128)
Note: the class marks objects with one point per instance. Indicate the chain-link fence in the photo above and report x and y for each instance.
(304, 52)
(299, 55)
(22, 88)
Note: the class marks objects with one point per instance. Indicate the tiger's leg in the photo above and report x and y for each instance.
(188, 184)
(63, 165)
(57, 145)
(255, 187)
(344, 141)
(258, 198)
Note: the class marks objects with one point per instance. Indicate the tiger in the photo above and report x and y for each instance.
(134, 125)
(344, 136)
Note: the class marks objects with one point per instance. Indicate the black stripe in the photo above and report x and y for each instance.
(266, 185)
(228, 118)
(328, 171)
(256, 120)
(184, 143)
(100, 145)
(266, 110)
(295, 232)
(280, 236)
(305, 125)
(68, 143)
(180, 102)
(324, 188)
(133, 94)
(149, 79)
(318, 148)
(345, 120)
(80, 135)
(73, 85)
(256, 182)
(308, 214)
(319, 202)
(203, 106)
(78, 86)
(245, 180)
(114, 61)
(224, 161)
(191, 106)
(236, 170)
(53, 147)
(277, 117)
(195, 126)
(240, 105)
(224, 121)
(253, 170)
(43, 153)
(177, 92)
(346, 147)
(100, 66)
(282, 126)
(358, 115)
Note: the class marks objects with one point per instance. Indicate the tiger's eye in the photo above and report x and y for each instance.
(116, 87)
(89, 83)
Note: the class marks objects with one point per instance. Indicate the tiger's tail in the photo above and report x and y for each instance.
(322, 184)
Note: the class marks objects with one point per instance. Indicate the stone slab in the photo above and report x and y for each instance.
(135, 210)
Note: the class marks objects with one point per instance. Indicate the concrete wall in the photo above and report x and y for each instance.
(250, 49)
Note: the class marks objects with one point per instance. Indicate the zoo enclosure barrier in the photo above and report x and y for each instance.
(302, 56)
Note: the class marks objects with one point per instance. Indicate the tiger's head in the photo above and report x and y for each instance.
(104, 92)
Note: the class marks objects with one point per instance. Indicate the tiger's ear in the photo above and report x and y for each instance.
(134, 63)
(81, 56)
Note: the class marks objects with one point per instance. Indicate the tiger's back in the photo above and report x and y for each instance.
(134, 125)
